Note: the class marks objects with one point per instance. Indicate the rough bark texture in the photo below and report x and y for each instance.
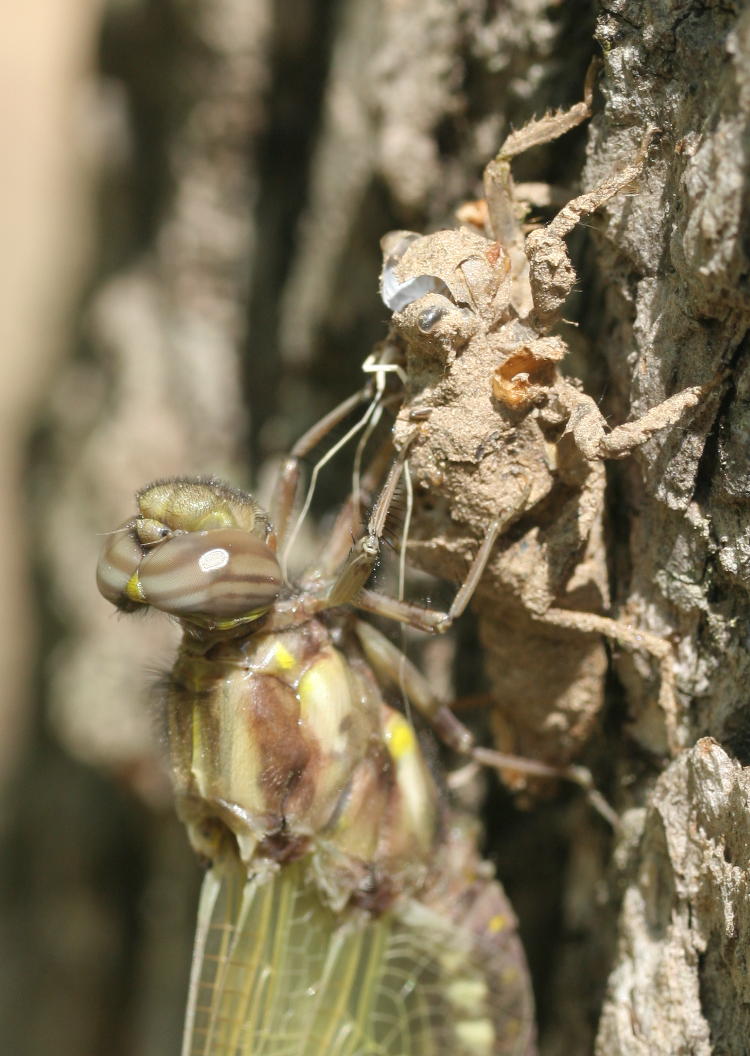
(679, 982)
(675, 261)
(253, 156)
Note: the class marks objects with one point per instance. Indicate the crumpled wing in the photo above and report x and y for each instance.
(277, 973)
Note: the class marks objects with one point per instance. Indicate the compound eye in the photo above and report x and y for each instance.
(218, 575)
(118, 562)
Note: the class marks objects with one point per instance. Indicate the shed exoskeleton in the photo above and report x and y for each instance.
(345, 908)
(506, 454)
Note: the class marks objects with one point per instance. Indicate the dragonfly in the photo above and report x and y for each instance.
(345, 907)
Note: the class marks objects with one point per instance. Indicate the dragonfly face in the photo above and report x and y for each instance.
(199, 551)
(346, 909)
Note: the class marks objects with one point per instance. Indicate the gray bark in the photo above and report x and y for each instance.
(674, 267)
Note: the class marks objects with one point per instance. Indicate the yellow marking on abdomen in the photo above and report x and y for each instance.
(133, 589)
(497, 923)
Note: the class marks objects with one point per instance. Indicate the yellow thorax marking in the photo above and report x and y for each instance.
(399, 737)
(283, 657)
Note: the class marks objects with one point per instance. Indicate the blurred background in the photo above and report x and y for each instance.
(192, 194)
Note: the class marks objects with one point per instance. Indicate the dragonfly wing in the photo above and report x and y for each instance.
(276, 973)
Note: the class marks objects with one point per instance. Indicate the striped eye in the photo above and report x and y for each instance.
(220, 575)
(118, 562)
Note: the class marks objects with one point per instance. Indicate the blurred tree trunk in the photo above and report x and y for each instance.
(254, 154)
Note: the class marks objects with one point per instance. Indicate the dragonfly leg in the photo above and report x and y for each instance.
(499, 191)
(395, 669)
(634, 640)
(364, 555)
(551, 273)
(287, 481)
(421, 617)
(595, 440)
(348, 524)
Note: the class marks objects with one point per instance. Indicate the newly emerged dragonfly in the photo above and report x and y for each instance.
(345, 908)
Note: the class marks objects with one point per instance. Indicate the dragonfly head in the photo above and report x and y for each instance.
(197, 550)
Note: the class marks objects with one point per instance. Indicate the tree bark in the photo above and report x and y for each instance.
(673, 261)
